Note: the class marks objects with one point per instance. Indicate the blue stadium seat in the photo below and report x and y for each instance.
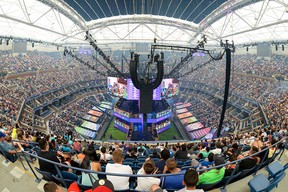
(259, 183)
(46, 175)
(274, 169)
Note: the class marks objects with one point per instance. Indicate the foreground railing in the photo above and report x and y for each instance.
(282, 144)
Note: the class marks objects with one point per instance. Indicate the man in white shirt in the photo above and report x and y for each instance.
(218, 149)
(191, 178)
(145, 183)
(120, 183)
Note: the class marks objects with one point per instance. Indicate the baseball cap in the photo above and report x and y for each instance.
(2, 134)
(102, 185)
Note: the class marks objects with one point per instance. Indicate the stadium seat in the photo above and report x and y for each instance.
(46, 175)
(65, 182)
(259, 183)
(274, 169)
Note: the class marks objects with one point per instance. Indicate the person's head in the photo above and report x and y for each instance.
(210, 157)
(207, 149)
(254, 149)
(117, 156)
(103, 149)
(183, 147)
(218, 160)
(50, 186)
(43, 144)
(218, 144)
(165, 154)
(2, 136)
(171, 164)
(149, 167)
(191, 178)
(95, 157)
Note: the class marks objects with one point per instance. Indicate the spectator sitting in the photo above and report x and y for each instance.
(104, 155)
(213, 175)
(130, 154)
(249, 162)
(90, 162)
(209, 163)
(145, 183)
(46, 154)
(191, 178)
(218, 149)
(8, 149)
(173, 181)
(154, 154)
(165, 154)
(181, 155)
(51, 187)
(120, 183)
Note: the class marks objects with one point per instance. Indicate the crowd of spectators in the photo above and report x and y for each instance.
(138, 158)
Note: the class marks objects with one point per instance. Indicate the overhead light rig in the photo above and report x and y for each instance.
(66, 52)
(175, 72)
(92, 42)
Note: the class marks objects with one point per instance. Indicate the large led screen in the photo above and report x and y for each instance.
(184, 115)
(169, 88)
(194, 126)
(184, 110)
(183, 105)
(117, 86)
(95, 113)
(188, 120)
(124, 88)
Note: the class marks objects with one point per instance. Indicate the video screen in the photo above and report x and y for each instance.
(188, 120)
(194, 126)
(184, 110)
(169, 88)
(95, 113)
(184, 115)
(90, 118)
(183, 105)
(134, 94)
(106, 106)
(106, 103)
(92, 126)
(117, 87)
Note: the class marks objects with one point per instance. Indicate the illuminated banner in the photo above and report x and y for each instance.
(188, 120)
(184, 115)
(194, 126)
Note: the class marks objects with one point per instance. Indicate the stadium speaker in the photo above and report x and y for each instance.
(1, 41)
(282, 47)
(32, 44)
(276, 47)
(7, 42)
(247, 49)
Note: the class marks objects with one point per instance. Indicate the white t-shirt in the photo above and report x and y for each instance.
(107, 156)
(145, 183)
(216, 151)
(120, 183)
